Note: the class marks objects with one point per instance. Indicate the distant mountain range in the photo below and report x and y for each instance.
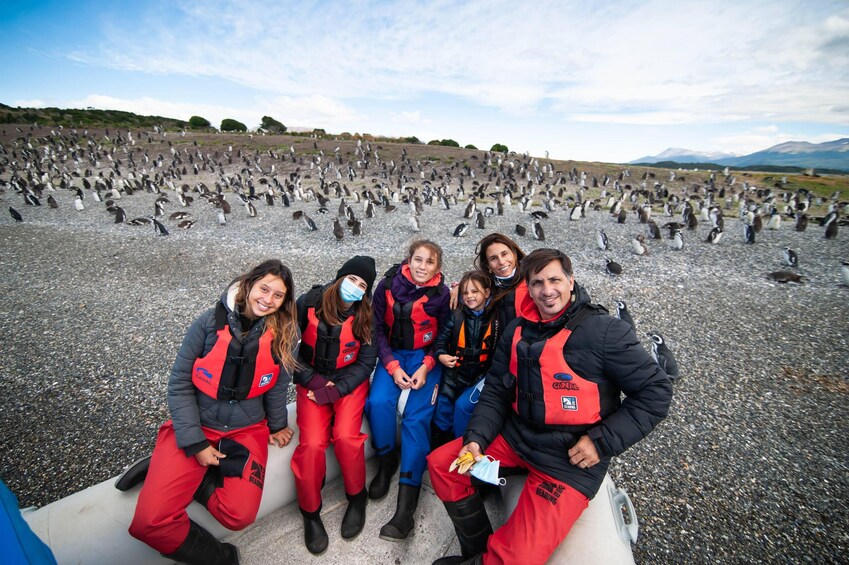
(828, 155)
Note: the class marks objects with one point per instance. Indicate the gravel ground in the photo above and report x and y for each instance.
(750, 465)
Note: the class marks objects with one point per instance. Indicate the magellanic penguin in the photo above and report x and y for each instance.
(623, 313)
(461, 230)
(602, 241)
(78, 204)
(338, 232)
(186, 224)
(158, 227)
(748, 233)
(785, 277)
(52, 201)
(638, 245)
(653, 230)
(801, 222)
(520, 229)
(480, 222)
(613, 268)
(714, 236)
(831, 228)
(414, 224)
(677, 241)
(790, 258)
(309, 222)
(222, 218)
(663, 356)
(539, 234)
(16, 215)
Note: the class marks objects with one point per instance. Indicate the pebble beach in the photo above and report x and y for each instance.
(751, 464)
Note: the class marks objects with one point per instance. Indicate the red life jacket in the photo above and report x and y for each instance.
(548, 390)
(327, 349)
(233, 370)
(410, 327)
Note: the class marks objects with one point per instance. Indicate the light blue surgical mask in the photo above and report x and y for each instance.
(486, 470)
(349, 292)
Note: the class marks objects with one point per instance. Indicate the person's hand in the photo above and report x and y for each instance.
(311, 394)
(402, 379)
(209, 456)
(472, 447)
(453, 294)
(584, 454)
(448, 360)
(281, 438)
(419, 378)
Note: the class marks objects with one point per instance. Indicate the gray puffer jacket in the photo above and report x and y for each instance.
(190, 409)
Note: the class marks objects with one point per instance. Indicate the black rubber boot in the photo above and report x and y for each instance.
(211, 481)
(438, 437)
(401, 524)
(471, 524)
(201, 548)
(457, 560)
(315, 536)
(387, 465)
(355, 515)
(133, 475)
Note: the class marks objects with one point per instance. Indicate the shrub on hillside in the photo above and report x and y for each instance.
(198, 122)
(470, 146)
(271, 125)
(229, 124)
(499, 148)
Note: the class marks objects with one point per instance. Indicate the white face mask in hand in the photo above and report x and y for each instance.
(486, 470)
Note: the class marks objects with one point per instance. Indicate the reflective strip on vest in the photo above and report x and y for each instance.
(228, 372)
(566, 399)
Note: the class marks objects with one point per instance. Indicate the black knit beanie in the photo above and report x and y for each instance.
(362, 266)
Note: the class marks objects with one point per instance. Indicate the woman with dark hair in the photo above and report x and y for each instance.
(410, 303)
(337, 356)
(499, 257)
(227, 399)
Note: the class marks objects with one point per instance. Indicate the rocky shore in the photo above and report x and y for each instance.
(751, 464)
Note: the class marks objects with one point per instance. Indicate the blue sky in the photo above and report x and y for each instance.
(585, 80)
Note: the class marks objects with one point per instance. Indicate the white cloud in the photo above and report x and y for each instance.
(35, 103)
(759, 139)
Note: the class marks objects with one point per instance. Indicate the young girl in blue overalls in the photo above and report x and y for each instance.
(410, 303)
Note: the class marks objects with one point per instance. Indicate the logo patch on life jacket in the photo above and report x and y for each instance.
(265, 379)
(563, 376)
(351, 344)
(204, 374)
(425, 323)
(560, 385)
(427, 337)
(569, 402)
(348, 357)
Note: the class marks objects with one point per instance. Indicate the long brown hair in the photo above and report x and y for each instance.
(332, 306)
(482, 263)
(283, 322)
(431, 246)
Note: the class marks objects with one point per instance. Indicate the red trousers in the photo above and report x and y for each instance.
(338, 423)
(161, 521)
(546, 510)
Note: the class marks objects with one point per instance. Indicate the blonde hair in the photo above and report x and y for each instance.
(282, 323)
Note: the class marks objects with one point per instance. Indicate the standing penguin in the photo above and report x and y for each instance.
(602, 241)
(831, 228)
(790, 258)
(623, 313)
(52, 201)
(663, 355)
(748, 233)
(338, 232)
(677, 240)
(78, 204)
(222, 218)
(158, 227)
(539, 234)
(653, 230)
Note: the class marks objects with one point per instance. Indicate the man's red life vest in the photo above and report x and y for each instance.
(327, 348)
(548, 390)
(233, 370)
(410, 327)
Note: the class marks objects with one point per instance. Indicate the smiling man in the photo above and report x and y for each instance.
(551, 406)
